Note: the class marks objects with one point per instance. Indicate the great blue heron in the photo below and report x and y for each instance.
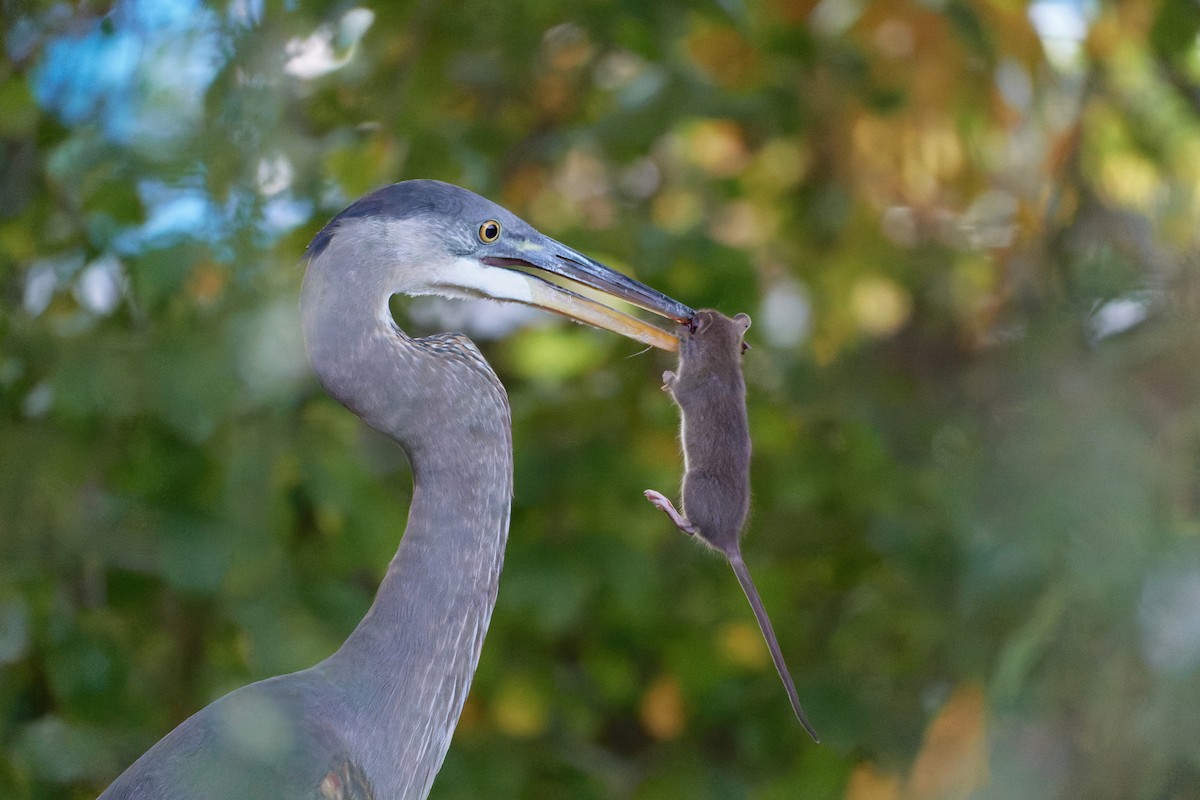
(375, 718)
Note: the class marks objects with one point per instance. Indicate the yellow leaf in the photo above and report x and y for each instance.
(742, 644)
(953, 762)
(519, 709)
(661, 711)
(866, 783)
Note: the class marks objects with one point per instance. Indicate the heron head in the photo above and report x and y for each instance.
(451, 242)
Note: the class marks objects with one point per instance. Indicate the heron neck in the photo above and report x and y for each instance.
(409, 663)
(436, 597)
(404, 672)
(413, 655)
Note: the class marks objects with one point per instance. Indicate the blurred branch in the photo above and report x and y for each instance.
(1188, 92)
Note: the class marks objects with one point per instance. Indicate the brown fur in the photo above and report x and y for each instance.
(711, 394)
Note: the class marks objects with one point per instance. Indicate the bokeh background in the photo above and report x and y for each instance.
(965, 230)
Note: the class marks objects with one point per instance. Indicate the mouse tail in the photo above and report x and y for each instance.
(768, 632)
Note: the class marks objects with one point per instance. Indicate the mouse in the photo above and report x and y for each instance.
(710, 391)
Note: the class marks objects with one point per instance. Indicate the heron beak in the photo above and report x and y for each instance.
(547, 255)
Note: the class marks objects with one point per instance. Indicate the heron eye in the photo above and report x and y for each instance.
(489, 231)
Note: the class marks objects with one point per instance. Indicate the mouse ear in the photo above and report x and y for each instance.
(701, 321)
(743, 320)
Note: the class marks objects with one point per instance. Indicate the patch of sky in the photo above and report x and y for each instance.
(283, 213)
(138, 77)
(174, 213)
(1062, 26)
(140, 73)
(246, 13)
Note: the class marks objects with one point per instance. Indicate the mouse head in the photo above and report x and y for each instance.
(712, 335)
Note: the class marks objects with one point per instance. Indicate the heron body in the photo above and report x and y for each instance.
(375, 719)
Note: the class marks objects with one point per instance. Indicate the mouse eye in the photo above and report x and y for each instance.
(489, 231)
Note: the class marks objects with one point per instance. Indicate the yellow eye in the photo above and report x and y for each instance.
(489, 231)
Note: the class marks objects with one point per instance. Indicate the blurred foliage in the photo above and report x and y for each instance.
(965, 230)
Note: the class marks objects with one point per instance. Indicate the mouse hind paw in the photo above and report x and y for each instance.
(659, 501)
